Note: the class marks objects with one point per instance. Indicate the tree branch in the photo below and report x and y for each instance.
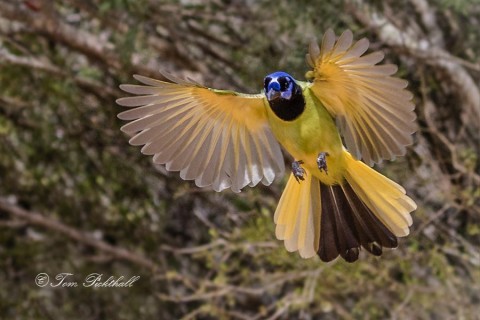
(40, 220)
(49, 25)
(44, 65)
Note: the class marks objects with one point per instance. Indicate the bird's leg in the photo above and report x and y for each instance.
(298, 171)
(322, 161)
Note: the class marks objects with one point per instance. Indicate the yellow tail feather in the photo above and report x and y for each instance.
(385, 198)
(298, 216)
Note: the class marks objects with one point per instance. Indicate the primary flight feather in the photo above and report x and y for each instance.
(333, 203)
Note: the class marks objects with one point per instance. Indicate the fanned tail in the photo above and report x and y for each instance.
(348, 224)
(367, 210)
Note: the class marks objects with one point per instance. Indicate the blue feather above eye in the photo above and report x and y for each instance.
(275, 85)
(278, 74)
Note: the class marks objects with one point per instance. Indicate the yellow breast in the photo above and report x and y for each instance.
(314, 131)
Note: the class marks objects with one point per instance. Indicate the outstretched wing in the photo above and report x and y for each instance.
(373, 110)
(217, 138)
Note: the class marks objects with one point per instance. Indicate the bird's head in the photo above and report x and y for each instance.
(284, 95)
(279, 85)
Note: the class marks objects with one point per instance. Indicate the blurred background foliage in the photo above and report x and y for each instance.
(75, 197)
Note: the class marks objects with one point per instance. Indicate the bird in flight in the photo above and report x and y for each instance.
(348, 115)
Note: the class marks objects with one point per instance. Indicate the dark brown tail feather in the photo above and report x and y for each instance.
(348, 224)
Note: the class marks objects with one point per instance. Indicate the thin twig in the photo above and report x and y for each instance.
(40, 220)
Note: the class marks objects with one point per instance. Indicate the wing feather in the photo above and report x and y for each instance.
(373, 110)
(217, 138)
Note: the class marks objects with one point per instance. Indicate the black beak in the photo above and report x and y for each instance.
(273, 94)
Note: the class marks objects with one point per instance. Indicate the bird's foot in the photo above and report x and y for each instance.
(298, 171)
(322, 161)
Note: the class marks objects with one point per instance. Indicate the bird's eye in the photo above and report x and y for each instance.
(283, 83)
(266, 82)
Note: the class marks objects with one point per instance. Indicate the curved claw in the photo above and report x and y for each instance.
(322, 161)
(298, 171)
